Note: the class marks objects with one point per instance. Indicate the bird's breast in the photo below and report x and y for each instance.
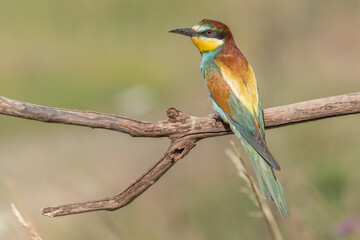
(220, 91)
(242, 83)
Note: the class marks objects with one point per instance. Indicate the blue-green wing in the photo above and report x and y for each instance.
(269, 185)
(247, 124)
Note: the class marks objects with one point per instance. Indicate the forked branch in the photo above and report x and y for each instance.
(183, 131)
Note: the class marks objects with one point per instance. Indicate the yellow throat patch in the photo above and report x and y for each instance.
(207, 44)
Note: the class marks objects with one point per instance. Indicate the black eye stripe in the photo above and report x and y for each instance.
(214, 34)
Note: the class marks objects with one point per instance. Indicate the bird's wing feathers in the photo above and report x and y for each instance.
(247, 125)
(240, 104)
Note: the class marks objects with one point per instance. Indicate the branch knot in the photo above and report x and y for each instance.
(175, 115)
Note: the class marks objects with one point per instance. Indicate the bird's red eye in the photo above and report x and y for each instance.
(209, 32)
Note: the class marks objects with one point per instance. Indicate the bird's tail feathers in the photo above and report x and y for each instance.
(269, 185)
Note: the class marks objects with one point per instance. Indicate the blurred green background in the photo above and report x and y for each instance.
(117, 57)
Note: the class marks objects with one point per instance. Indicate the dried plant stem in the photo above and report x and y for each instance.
(258, 200)
(26, 224)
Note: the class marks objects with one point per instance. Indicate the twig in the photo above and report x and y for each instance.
(177, 150)
(183, 131)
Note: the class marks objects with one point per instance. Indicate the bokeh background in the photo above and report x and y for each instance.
(117, 57)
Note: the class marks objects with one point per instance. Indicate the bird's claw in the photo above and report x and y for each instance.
(215, 117)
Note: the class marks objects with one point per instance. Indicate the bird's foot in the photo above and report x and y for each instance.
(215, 117)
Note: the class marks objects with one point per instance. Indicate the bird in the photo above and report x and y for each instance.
(235, 97)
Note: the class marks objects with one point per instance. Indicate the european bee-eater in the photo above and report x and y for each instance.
(234, 93)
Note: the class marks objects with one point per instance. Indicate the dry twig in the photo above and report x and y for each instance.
(183, 131)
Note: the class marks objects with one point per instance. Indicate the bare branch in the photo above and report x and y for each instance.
(312, 110)
(180, 124)
(183, 130)
(177, 150)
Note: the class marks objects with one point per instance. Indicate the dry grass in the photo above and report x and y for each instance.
(16, 197)
(253, 192)
(26, 224)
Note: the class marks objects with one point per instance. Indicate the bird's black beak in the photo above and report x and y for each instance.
(185, 31)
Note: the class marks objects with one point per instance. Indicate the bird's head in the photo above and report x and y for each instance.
(207, 35)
